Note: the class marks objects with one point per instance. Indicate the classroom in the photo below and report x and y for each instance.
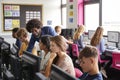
(59, 40)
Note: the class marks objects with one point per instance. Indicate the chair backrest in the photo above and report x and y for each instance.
(75, 51)
(99, 58)
(116, 60)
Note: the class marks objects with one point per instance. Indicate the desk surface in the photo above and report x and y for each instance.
(115, 50)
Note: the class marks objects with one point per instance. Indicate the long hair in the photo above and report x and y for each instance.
(60, 42)
(97, 36)
(78, 32)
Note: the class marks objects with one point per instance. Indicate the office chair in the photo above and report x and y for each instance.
(116, 60)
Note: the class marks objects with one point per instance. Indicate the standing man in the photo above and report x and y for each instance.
(35, 27)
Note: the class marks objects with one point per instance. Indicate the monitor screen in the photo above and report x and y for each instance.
(90, 33)
(113, 36)
(5, 46)
(32, 60)
(40, 76)
(14, 50)
(58, 74)
(1, 40)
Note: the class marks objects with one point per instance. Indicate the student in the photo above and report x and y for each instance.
(46, 55)
(18, 42)
(88, 59)
(23, 36)
(97, 40)
(58, 29)
(59, 46)
(78, 37)
(35, 27)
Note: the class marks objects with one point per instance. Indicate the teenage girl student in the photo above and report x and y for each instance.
(78, 37)
(46, 55)
(59, 46)
(23, 37)
(98, 41)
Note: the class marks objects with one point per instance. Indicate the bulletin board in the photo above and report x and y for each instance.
(17, 15)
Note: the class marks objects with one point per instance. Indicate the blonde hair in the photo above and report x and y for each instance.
(97, 36)
(79, 32)
(21, 32)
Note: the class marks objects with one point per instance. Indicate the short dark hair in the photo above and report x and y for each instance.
(33, 23)
(89, 51)
(14, 30)
(45, 39)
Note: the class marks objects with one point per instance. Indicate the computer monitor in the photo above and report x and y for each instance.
(58, 74)
(40, 76)
(113, 36)
(90, 33)
(14, 50)
(32, 64)
(5, 52)
(16, 67)
(1, 40)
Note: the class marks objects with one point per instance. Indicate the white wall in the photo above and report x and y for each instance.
(51, 11)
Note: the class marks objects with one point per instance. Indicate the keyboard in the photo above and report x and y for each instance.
(111, 47)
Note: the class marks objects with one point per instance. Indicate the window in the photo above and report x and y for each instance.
(110, 15)
(91, 16)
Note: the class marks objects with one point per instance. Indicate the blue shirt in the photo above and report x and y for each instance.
(46, 30)
(18, 43)
(80, 43)
(86, 76)
(101, 46)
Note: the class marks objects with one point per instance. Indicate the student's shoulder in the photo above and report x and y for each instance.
(46, 27)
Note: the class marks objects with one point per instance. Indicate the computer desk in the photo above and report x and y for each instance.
(109, 52)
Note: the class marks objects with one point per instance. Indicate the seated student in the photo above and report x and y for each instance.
(59, 46)
(35, 27)
(98, 41)
(58, 30)
(23, 36)
(46, 55)
(18, 42)
(78, 37)
(88, 59)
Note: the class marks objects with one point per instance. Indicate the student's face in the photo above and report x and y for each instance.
(23, 38)
(59, 31)
(85, 64)
(36, 31)
(14, 35)
(41, 45)
(54, 48)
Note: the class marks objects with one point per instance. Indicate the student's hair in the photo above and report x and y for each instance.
(57, 27)
(45, 39)
(21, 32)
(60, 42)
(14, 30)
(97, 36)
(33, 23)
(89, 51)
(78, 32)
